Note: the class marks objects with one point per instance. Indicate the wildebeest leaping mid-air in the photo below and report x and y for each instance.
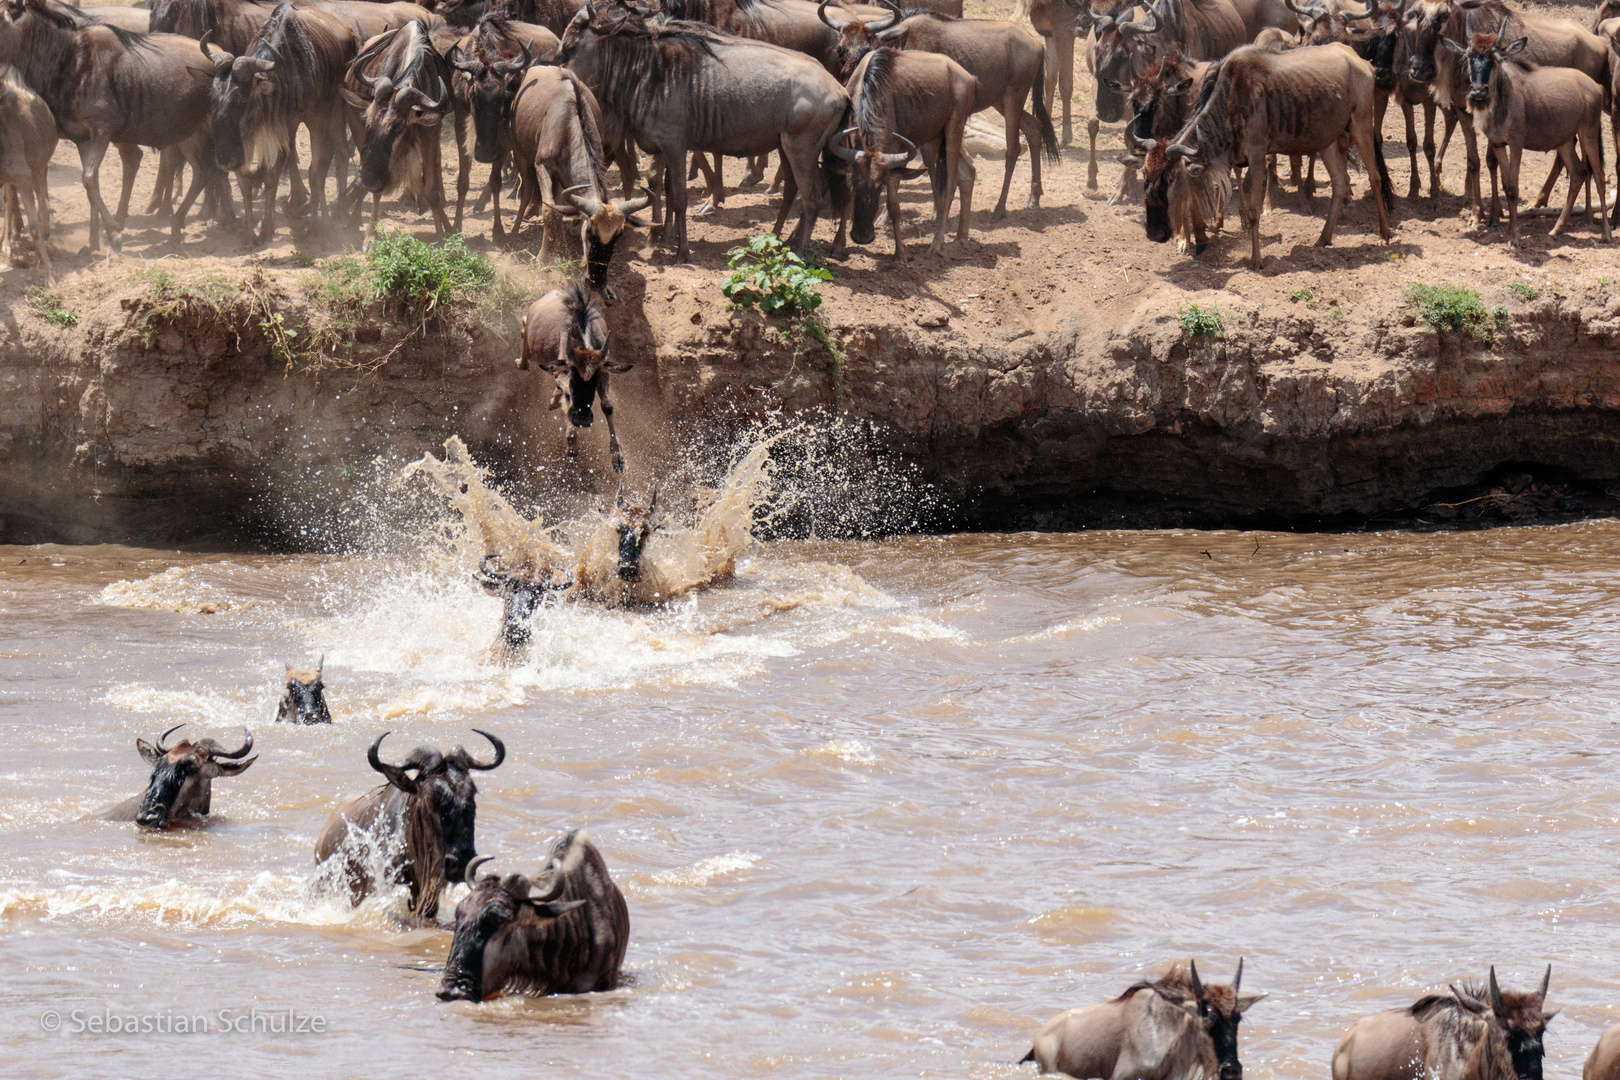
(565, 332)
(1474, 1033)
(417, 828)
(180, 788)
(1159, 1029)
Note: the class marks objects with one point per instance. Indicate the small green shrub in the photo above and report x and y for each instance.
(1337, 313)
(767, 274)
(1523, 290)
(1451, 307)
(1199, 321)
(49, 306)
(1300, 296)
(419, 279)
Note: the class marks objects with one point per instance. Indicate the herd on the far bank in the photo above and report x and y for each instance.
(565, 928)
(852, 98)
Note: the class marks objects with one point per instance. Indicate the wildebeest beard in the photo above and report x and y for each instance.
(1383, 59)
(168, 777)
(581, 398)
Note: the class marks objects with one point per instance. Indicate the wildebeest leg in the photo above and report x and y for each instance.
(756, 171)
(496, 232)
(1509, 156)
(1472, 146)
(376, 215)
(30, 194)
(1339, 176)
(1254, 192)
(802, 158)
(713, 179)
(1591, 138)
(203, 177)
(674, 170)
(780, 176)
(297, 196)
(607, 414)
(1410, 114)
(163, 191)
(272, 183)
(91, 153)
(790, 191)
(1491, 163)
(1092, 127)
(1435, 158)
(965, 174)
(1011, 113)
(1566, 154)
(245, 182)
(464, 167)
(1364, 135)
(892, 194)
(322, 148)
(1062, 44)
(1552, 178)
(129, 155)
(433, 174)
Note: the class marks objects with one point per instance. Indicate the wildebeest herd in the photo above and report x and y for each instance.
(565, 929)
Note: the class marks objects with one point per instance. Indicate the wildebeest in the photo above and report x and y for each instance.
(633, 526)
(180, 788)
(1520, 107)
(557, 143)
(1255, 103)
(108, 86)
(1160, 1029)
(1475, 1033)
(398, 83)
(304, 701)
(564, 932)
(289, 76)
(1603, 1063)
(565, 332)
(522, 590)
(27, 139)
(489, 64)
(922, 100)
(1203, 29)
(423, 823)
(1061, 23)
(1008, 60)
(680, 86)
(1112, 76)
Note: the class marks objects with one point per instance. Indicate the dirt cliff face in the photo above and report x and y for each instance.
(191, 427)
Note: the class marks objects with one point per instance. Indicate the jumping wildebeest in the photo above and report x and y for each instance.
(1476, 1033)
(397, 82)
(681, 86)
(1161, 1029)
(921, 99)
(532, 937)
(1603, 1063)
(1256, 103)
(180, 785)
(1520, 107)
(304, 701)
(565, 332)
(557, 143)
(1008, 60)
(522, 590)
(489, 63)
(423, 824)
(1552, 43)
(27, 139)
(290, 76)
(105, 86)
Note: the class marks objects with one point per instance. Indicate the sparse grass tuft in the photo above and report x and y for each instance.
(49, 305)
(1199, 321)
(1451, 307)
(1523, 290)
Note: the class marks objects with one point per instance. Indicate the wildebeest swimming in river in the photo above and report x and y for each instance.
(531, 936)
(424, 823)
(304, 701)
(1474, 1033)
(1163, 1029)
(522, 590)
(179, 788)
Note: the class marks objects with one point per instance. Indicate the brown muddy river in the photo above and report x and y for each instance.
(879, 808)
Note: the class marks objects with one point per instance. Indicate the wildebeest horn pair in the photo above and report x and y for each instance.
(893, 160)
(559, 881)
(1131, 27)
(398, 775)
(210, 745)
(590, 207)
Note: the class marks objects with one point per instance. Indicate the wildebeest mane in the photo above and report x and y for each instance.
(69, 18)
(583, 311)
(424, 855)
(208, 14)
(875, 84)
(644, 61)
(590, 133)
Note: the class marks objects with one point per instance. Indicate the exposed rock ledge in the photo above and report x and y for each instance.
(124, 429)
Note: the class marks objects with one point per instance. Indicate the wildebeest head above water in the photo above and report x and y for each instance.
(179, 787)
(443, 784)
(634, 526)
(522, 590)
(304, 701)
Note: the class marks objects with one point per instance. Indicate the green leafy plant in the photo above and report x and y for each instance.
(1523, 290)
(49, 306)
(1337, 313)
(1395, 256)
(767, 274)
(1451, 307)
(1303, 296)
(1199, 321)
(418, 279)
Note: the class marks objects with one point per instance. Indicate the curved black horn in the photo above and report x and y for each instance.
(821, 13)
(1192, 971)
(1546, 980)
(471, 876)
(246, 747)
(1146, 146)
(1237, 980)
(1149, 27)
(396, 775)
(894, 16)
(512, 67)
(475, 68)
(165, 738)
(631, 205)
(1178, 150)
(433, 105)
(500, 753)
(587, 206)
(1496, 992)
(895, 161)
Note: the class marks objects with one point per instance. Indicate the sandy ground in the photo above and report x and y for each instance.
(1018, 275)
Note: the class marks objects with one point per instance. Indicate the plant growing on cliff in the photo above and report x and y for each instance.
(1197, 321)
(767, 274)
(418, 279)
(1451, 307)
(49, 306)
(1523, 290)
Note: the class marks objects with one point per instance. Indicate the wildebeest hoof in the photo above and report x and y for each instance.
(1198, 249)
(998, 213)
(704, 211)
(618, 465)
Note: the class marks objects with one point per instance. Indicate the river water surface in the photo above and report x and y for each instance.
(879, 808)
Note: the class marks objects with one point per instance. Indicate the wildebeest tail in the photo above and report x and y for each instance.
(1027, 1057)
(1043, 115)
